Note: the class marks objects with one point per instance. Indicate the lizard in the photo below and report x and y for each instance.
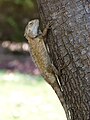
(40, 56)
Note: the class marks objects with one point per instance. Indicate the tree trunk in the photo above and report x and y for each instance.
(69, 50)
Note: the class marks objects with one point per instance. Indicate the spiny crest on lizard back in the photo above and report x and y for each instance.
(32, 29)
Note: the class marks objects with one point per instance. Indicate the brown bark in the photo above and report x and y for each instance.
(69, 44)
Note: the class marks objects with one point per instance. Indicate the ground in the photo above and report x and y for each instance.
(24, 97)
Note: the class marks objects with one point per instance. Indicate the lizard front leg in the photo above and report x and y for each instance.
(44, 33)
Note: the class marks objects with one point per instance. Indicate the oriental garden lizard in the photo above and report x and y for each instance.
(39, 53)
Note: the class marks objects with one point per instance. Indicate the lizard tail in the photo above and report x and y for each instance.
(53, 81)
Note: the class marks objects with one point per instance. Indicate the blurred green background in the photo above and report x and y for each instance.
(24, 95)
(14, 14)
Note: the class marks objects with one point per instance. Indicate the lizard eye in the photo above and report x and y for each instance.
(30, 23)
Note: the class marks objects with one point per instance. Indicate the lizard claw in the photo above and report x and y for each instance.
(49, 24)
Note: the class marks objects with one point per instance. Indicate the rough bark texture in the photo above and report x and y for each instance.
(69, 44)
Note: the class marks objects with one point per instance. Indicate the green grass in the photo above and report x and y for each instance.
(24, 97)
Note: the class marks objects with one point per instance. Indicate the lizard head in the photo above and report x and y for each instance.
(32, 29)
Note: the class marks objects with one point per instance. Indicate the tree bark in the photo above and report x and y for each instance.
(69, 50)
